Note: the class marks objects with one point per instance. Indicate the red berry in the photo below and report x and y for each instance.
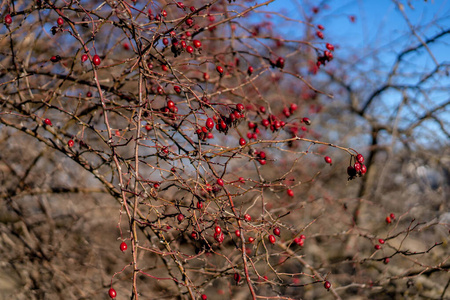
(262, 161)
(240, 107)
(363, 169)
(280, 62)
(237, 277)
(302, 236)
(199, 205)
(247, 217)
(165, 68)
(351, 171)
(180, 218)
(307, 121)
(164, 13)
(242, 141)
(55, 58)
(209, 123)
(357, 167)
(251, 239)
(329, 47)
(328, 160)
(277, 231)
(320, 27)
(386, 260)
(96, 60)
(48, 122)
(392, 216)
(203, 296)
(170, 104)
(165, 41)
(194, 235)
(89, 94)
(70, 143)
(381, 241)
(319, 34)
(237, 233)
(219, 237)
(123, 246)
(293, 107)
(112, 293)
(272, 239)
(219, 69)
(220, 181)
(327, 285)
(189, 22)
(241, 180)
(360, 158)
(8, 19)
(60, 21)
(262, 109)
(84, 58)
(189, 49)
(197, 44)
(377, 247)
(290, 193)
(192, 8)
(218, 230)
(177, 89)
(250, 70)
(388, 220)
(299, 241)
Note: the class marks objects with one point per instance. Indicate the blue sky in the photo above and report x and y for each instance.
(379, 33)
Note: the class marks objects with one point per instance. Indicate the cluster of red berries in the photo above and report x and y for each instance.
(159, 17)
(180, 45)
(56, 29)
(326, 57)
(279, 63)
(300, 240)
(273, 123)
(260, 156)
(223, 123)
(358, 169)
(287, 112)
(390, 218)
(218, 234)
(170, 109)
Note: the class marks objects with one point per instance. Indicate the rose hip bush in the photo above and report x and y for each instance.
(197, 117)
